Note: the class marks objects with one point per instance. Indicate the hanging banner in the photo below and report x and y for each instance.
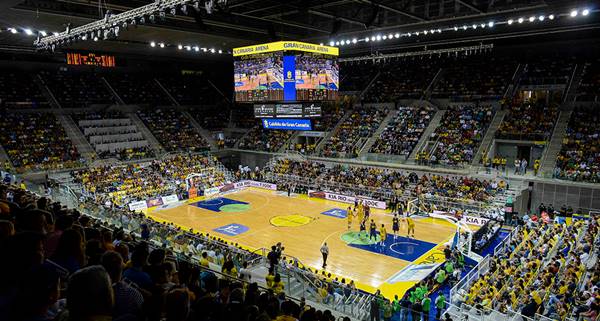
(138, 206)
(347, 199)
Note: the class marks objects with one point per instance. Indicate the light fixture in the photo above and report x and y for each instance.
(439, 30)
(28, 31)
(474, 26)
(354, 40)
(196, 48)
(152, 44)
(541, 18)
(188, 48)
(337, 43)
(510, 21)
(13, 30)
(384, 37)
(531, 19)
(179, 47)
(390, 36)
(43, 33)
(331, 43)
(347, 42)
(367, 39)
(574, 13)
(409, 34)
(220, 51)
(482, 25)
(464, 27)
(585, 12)
(521, 20)
(373, 38)
(425, 31)
(417, 33)
(378, 37)
(95, 38)
(320, 44)
(212, 50)
(162, 45)
(397, 35)
(490, 24)
(551, 17)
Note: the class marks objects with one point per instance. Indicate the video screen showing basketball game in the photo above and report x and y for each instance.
(317, 77)
(259, 77)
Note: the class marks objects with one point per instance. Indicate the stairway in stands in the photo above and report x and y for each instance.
(77, 137)
(203, 132)
(154, 144)
(489, 136)
(433, 124)
(331, 132)
(555, 144)
(367, 146)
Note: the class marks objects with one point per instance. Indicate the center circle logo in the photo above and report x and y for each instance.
(292, 220)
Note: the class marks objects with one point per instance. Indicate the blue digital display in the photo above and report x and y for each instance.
(289, 78)
(287, 124)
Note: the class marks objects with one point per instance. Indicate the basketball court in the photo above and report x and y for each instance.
(256, 218)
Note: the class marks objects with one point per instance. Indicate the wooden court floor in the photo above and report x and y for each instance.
(304, 241)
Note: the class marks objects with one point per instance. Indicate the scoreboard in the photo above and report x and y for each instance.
(286, 71)
(287, 110)
(90, 59)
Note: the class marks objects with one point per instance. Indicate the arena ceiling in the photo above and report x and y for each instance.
(244, 22)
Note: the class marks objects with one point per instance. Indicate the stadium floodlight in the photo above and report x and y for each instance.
(416, 33)
(439, 30)
(204, 49)
(521, 20)
(95, 38)
(13, 30)
(378, 38)
(432, 31)
(574, 13)
(152, 44)
(337, 43)
(354, 40)
(510, 21)
(188, 48)
(464, 27)
(409, 34)
(347, 42)
(551, 17)
(28, 32)
(397, 35)
(390, 36)
(384, 37)
(373, 38)
(162, 45)
(474, 26)
(367, 39)
(331, 43)
(212, 50)
(490, 24)
(425, 31)
(531, 19)
(179, 47)
(585, 12)
(196, 48)
(220, 51)
(482, 25)
(541, 18)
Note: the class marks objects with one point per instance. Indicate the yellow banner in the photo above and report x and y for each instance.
(285, 45)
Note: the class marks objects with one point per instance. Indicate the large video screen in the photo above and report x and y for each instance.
(259, 77)
(286, 76)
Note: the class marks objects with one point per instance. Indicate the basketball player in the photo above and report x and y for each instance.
(349, 216)
(382, 235)
(373, 229)
(367, 210)
(363, 228)
(395, 225)
(360, 213)
(411, 226)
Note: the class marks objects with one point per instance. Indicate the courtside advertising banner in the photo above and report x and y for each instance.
(269, 186)
(467, 219)
(347, 199)
(138, 206)
(169, 199)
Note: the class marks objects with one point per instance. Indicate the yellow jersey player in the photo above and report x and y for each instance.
(349, 216)
(382, 235)
(411, 226)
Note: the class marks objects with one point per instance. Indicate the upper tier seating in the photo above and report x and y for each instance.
(36, 141)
